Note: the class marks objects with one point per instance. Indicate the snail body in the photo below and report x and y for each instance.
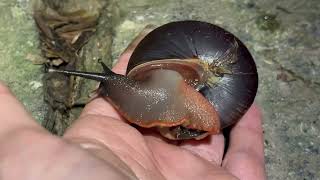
(188, 78)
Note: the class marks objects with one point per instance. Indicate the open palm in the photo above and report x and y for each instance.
(101, 145)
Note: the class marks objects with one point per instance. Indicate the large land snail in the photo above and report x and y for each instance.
(188, 78)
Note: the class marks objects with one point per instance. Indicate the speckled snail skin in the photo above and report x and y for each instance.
(188, 79)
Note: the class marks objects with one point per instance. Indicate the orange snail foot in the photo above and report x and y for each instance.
(201, 118)
(163, 99)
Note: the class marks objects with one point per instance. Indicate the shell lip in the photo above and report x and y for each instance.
(190, 69)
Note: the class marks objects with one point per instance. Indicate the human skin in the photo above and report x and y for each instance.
(102, 145)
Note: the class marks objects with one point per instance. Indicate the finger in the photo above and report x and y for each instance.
(245, 156)
(210, 148)
(121, 65)
(13, 116)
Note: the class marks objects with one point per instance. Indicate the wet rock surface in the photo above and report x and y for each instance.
(283, 37)
(19, 50)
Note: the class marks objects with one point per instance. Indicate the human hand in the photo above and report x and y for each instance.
(101, 145)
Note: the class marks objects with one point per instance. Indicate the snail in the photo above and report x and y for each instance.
(188, 79)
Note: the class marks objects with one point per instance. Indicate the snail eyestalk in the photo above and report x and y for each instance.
(87, 75)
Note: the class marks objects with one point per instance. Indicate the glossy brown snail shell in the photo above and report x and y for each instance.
(177, 58)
